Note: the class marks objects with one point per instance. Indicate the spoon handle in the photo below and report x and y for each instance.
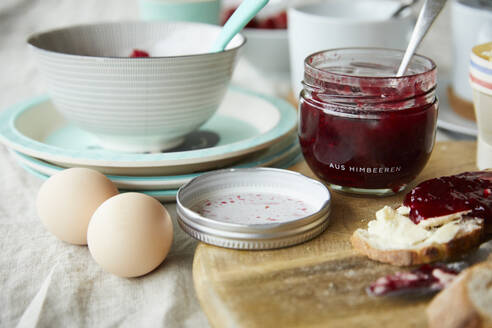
(243, 14)
(430, 10)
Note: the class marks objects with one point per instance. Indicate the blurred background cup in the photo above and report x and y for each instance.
(202, 11)
(267, 48)
(341, 23)
(480, 77)
(268, 51)
(471, 24)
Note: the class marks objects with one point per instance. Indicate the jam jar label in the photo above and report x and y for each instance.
(363, 169)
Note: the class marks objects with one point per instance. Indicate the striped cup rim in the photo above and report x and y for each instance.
(481, 85)
(479, 62)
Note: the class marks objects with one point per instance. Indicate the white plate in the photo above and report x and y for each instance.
(245, 123)
(275, 156)
(448, 119)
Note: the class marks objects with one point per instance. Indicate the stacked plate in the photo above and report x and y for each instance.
(249, 130)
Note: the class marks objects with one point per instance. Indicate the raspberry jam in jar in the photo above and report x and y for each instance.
(362, 129)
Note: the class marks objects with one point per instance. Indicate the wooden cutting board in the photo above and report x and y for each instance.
(319, 283)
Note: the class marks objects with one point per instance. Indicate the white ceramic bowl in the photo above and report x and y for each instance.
(136, 104)
(267, 50)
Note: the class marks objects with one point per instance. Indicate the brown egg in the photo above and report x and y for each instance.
(130, 234)
(68, 199)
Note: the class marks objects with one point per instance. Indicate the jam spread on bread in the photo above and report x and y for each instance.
(427, 277)
(469, 191)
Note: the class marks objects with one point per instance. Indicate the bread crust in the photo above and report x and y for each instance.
(452, 307)
(462, 243)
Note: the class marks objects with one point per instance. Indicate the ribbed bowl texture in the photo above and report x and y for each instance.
(136, 104)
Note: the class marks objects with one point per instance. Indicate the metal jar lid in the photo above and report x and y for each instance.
(258, 208)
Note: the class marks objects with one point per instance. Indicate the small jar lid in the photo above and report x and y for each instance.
(259, 208)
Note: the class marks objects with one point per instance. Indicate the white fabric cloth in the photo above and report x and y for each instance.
(47, 283)
(77, 293)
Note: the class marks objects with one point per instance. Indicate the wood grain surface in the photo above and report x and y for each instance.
(320, 283)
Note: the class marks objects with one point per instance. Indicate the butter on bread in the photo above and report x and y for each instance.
(466, 302)
(393, 238)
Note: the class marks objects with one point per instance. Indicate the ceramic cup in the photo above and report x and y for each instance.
(268, 51)
(481, 83)
(471, 25)
(341, 23)
(201, 11)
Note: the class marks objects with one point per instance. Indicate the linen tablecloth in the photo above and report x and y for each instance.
(47, 283)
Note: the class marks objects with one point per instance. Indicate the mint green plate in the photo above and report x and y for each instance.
(166, 195)
(245, 123)
(275, 156)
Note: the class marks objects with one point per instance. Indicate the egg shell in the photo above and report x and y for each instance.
(130, 234)
(68, 199)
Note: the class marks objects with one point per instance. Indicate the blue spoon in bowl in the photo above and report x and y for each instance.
(243, 14)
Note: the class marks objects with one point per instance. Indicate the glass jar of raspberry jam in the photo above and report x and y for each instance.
(362, 130)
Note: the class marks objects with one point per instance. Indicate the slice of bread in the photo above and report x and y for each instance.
(466, 302)
(392, 238)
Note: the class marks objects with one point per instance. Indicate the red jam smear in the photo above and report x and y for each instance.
(137, 53)
(425, 277)
(383, 149)
(469, 191)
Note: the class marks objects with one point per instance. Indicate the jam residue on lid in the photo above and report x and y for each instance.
(469, 191)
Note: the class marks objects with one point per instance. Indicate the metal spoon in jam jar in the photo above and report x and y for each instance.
(430, 10)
